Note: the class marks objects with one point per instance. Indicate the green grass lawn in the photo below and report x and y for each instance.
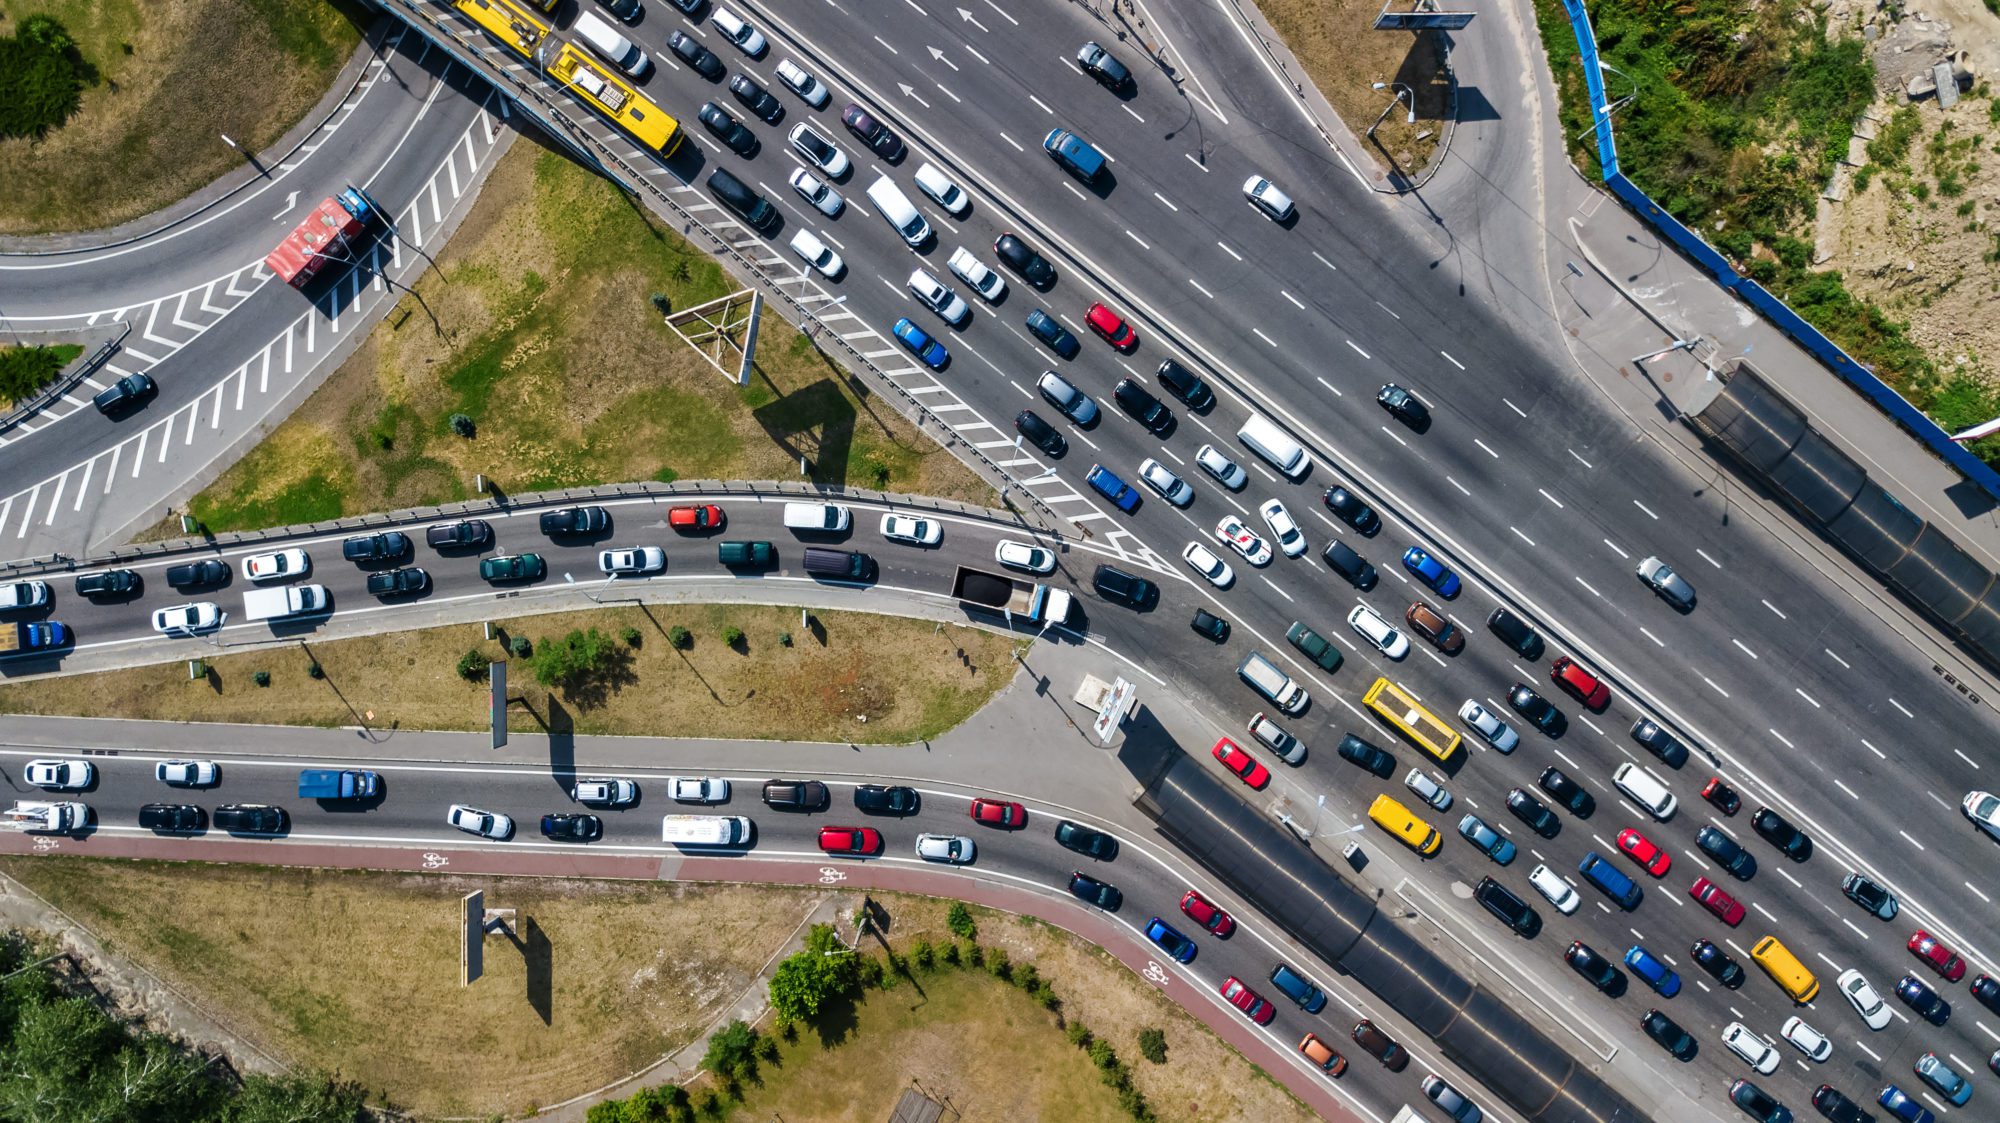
(25, 370)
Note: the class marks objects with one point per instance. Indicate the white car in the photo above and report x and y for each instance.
(810, 187)
(1806, 1039)
(1550, 884)
(1757, 1052)
(1427, 789)
(819, 151)
(816, 253)
(282, 565)
(943, 191)
(485, 824)
(915, 531)
(634, 559)
(1265, 196)
(1291, 541)
(1221, 467)
(1232, 533)
(605, 793)
(1486, 725)
(1203, 561)
(811, 90)
(949, 306)
(1983, 808)
(23, 594)
(187, 773)
(1378, 631)
(1162, 479)
(1861, 995)
(698, 789)
(187, 619)
(1287, 747)
(953, 848)
(974, 272)
(59, 775)
(1020, 555)
(748, 39)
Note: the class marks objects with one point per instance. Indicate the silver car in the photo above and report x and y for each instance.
(1229, 472)
(955, 849)
(486, 824)
(1074, 403)
(605, 793)
(698, 789)
(1274, 737)
(1162, 479)
(1671, 586)
(187, 773)
(632, 560)
(1427, 789)
(933, 294)
(824, 199)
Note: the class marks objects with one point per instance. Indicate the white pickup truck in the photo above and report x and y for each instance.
(286, 600)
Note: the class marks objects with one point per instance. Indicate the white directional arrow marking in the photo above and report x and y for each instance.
(289, 201)
(939, 55)
(967, 17)
(912, 94)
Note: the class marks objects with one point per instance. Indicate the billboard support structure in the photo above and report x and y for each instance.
(711, 329)
(496, 694)
(476, 921)
(1424, 17)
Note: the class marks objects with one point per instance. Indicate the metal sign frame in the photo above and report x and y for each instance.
(1424, 17)
(721, 320)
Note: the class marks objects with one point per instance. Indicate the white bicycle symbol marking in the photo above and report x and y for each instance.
(434, 861)
(45, 844)
(828, 875)
(1155, 973)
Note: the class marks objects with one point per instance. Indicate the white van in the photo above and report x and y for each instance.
(1646, 790)
(828, 517)
(286, 600)
(901, 213)
(1265, 678)
(24, 594)
(705, 830)
(616, 49)
(1265, 439)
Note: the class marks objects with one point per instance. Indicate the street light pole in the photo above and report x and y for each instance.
(1401, 90)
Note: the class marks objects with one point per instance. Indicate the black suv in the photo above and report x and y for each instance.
(1584, 960)
(756, 98)
(1789, 840)
(1717, 963)
(1537, 709)
(1741, 864)
(250, 818)
(124, 394)
(796, 795)
(1531, 811)
(727, 129)
(1669, 1034)
(1186, 385)
(1369, 757)
(699, 58)
(576, 520)
(1352, 511)
(460, 535)
(879, 800)
(1085, 841)
(1512, 911)
(386, 546)
(110, 583)
(1404, 406)
(1143, 407)
(572, 827)
(1118, 585)
(1044, 435)
(1517, 634)
(197, 575)
(1659, 742)
(1342, 559)
(172, 818)
(1837, 1107)
(404, 582)
(1557, 783)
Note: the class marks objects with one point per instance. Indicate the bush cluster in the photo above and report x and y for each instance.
(41, 78)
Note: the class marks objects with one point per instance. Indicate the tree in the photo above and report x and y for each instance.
(732, 1049)
(807, 979)
(573, 660)
(1153, 1045)
(959, 920)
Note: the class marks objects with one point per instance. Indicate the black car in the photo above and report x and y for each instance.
(404, 582)
(1557, 783)
(1033, 267)
(1790, 840)
(1342, 559)
(1531, 811)
(1083, 840)
(1669, 1034)
(1758, 1104)
(110, 583)
(1717, 963)
(1584, 960)
(124, 394)
(756, 99)
(879, 800)
(1030, 425)
(172, 818)
(1050, 331)
(1929, 1004)
(572, 827)
(1117, 585)
(1659, 742)
(1143, 407)
(1103, 66)
(1537, 709)
(1369, 757)
(250, 818)
(1094, 892)
(1987, 990)
(1837, 1107)
(796, 795)
(1186, 385)
(1871, 895)
(1209, 624)
(1404, 406)
(1516, 633)
(1352, 511)
(575, 520)
(733, 134)
(872, 133)
(198, 574)
(459, 535)
(699, 58)
(1512, 911)
(1741, 864)
(386, 546)
(1381, 1046)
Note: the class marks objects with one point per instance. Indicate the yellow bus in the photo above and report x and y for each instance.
(1394, 705)
(508, 22)
(1785, 969)
(647, 123)
(1397, 819)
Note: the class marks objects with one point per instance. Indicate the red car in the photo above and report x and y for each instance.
(705, 517)
(998, 813)
(1640, 849)
(1716, 901)
(1112, 327)
(1246, 1000)
(1197, 908)
(1243, 764)
(1722, 796)
(1581, 684)
(1942, 959)
(850, 840)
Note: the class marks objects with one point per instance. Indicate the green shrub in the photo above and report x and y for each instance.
(1102, 1054)
(975, 956)
(25, 370)
(923, 955)
(1077, 1033)
(521, 646)
(1153, 1045)
(959, 920)
(41, 78)
(463, 426)
(1134, 1104)
(733, 636)
(574, 660)
(1027, 978)
(732, 1051)
(996, 962)
(950, 955)
(261, 678)
(1046, 995)
(784, 639)
(314, 670)
(680, 637)
(472, 665)
(629, 636)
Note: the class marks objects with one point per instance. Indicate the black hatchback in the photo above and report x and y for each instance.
(1584, 960)
(1537, 709)
(1517, 634)
(1090, 843)
(1717, 963)
(1558, 783)
(1369, 757)
(1790, 840)
(572, 827)
(1352, 511)
(1186, 385)
(1033, 267)
(1030, 425)
(124, 394)
(404, 582)
(1514, 912)
(1533, 812)
(198, 574)
(1669, 1034)
(1143, 407)
(1092, 891)
(110, 583)
(1659, 742)
(1730, 855)
(877, 799)
(1404, 406)
(1128, 589)
(727, 129)
(1209, 624)
(172, 818)
(756, 99)
(699, 58)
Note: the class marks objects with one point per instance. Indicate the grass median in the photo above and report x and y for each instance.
(1344, 57)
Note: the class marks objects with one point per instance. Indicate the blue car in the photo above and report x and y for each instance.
(922, 346)
(1903, 1107)
(1657, 974)
(1170, 941)
(1944, 1078)
(1050, 331)
(1123, 496)
(1442, 581)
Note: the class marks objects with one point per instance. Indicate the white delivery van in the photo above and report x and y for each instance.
(705, 830)
(825, 517)
(286, 600)
(1265, 678)
(615, 48)
(1265, 439)
(1646, 790)
(24, 594)
(901, 213)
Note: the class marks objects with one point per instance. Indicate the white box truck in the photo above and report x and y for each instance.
(286, 600)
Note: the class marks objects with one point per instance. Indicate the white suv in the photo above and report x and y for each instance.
(974, 272)
(932, 292)
(605, 793)
(1757, 1052)
(810, 89)
(1550, 884)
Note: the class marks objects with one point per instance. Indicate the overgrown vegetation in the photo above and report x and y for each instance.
(41, 77)
(25, 370)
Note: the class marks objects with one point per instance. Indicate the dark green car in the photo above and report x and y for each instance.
(1083, 840)
(513, 567)
(1316, 647)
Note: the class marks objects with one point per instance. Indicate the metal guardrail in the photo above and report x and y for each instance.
(65, 383)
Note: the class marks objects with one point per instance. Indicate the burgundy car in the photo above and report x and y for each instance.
(1246, 1000)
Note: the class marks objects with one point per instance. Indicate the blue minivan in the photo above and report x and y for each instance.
(1298, 988)
(1611, 880)
(1123, 496)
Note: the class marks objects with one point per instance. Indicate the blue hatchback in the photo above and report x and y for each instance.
(1123, 496)
(1657, 974)
(1427, 569)
(1170, 941)
(1903, 1107)
(922, 346)
(1050, 331)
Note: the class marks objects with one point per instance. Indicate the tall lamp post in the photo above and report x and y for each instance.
(1401, 90)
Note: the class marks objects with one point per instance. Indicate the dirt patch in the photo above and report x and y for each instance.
(1344, 56)
(911, 679)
